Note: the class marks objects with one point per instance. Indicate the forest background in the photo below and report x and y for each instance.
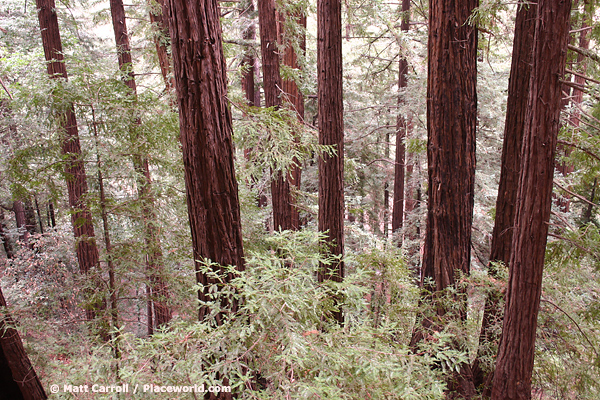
(132, 316)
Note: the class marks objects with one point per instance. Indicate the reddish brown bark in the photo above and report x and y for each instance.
(161, 41)
(294, 101)
(402, 127)
(451, 126)
(272, 84)
(206, 136)
(518, 94)
(249, 64)
(331, 133)
(158, 289)
(512, 379)
(81, 219)
(18, 379)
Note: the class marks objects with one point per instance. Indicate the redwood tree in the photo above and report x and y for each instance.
(518, 94)
(293, 98)
(206, 137)
(451, 126)
(159, 312)
(331, 133)
(402, 127)
(81, 219)
(512, 379)
(18, 379)
(272, 85)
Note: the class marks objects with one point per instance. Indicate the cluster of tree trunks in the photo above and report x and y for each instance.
(518, 95)
(514, 365)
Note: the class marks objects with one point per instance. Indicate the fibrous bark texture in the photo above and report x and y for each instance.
(518, 94)
(81, 219)
(451, 126)
(512, 379)
(206, 136)
(18, 379)
(331, 133)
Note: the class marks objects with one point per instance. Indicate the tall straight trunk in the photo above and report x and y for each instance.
(206, 136)
(331, 133)
(451, 126)
(272, 84)
(4, 236)
(249, 65)
(157, 17)
(81, 219)
(514, 366)
(158, 288)
(18, 379)
(402, 127)
(294, 100)
(114, 312)
(518, 94)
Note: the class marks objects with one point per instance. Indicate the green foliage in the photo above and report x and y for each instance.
(276, 346)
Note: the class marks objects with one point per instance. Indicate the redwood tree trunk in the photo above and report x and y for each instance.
(294, 101)
(249, 65)
(451, 126)
(206, 136)
(402, 127)
(280, 186)
(81, 219)
(158, 288)
(518, 94)
(331, 132)
(161, 42)
(512, 379)
(18, 379)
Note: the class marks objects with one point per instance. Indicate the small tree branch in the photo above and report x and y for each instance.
(586, 151)
(576, 324)
(585, 52)
(580, 197)
(579, 74)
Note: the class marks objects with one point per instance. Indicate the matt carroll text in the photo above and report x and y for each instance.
(125, 388)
